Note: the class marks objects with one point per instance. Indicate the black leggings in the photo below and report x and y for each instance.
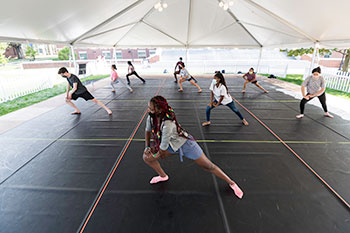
(322, 99)
(134, 73)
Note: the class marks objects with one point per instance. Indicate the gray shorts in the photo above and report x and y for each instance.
(189, 149)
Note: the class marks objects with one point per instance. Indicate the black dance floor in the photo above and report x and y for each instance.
(63, 173)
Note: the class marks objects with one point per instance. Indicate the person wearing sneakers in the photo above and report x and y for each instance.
(315, 86)
(78, 91)
(250, 77)
(185, 76)
(116, 79)
(170, 138)
(219, 91)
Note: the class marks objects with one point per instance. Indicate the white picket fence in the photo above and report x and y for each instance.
(18, 82)
(337, 80)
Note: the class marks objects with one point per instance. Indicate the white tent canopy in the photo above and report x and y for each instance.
(185, 23)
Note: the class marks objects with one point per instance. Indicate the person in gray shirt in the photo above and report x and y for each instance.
(78, 91)
(315, 87)
(170, 138)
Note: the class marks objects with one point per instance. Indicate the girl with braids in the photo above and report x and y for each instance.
(170, 138)
(222, 97)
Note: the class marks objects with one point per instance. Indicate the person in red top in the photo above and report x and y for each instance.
(177, 68)
(250, 77)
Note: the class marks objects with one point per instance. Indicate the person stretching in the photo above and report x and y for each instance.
(170, 138)
(250, 77)
(219, 96)
(78, 91)
(131, 71)
(315, 86)
(116, 79)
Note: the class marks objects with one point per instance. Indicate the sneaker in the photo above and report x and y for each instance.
(299, 116)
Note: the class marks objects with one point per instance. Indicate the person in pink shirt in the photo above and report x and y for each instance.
(116, 79)
(250, 77)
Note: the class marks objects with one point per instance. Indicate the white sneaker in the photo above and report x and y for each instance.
(300, 116)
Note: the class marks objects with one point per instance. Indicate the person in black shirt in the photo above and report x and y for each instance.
(78, 91)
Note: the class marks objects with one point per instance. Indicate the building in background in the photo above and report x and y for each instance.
(107, 53)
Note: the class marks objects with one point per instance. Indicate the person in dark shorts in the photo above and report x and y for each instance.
(170, 138)
(177, 70)
(185, 76)
(250, 77)
(78, 91)
(131, 71)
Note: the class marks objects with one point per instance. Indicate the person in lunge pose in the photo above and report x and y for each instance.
(315, 87)
(116, 79)
(170, 138)
(131, 71)
(219, 96)
(185, 76)
(78, 91)
(250, 77)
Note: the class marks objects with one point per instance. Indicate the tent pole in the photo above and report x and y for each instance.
(259, 60)
(186, 55)
(73, 57)
(313, 58)
(114, 56)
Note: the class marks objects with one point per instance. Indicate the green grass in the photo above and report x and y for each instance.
(298, 79)
(27, 100)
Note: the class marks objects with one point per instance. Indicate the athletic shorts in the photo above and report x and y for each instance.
(254, 82)
(189, 149)
(85, 95)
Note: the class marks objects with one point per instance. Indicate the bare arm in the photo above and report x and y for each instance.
(220, 100)
(75, 87)
(68, 87)
(147, 139)
(318, 93)
(303, 91)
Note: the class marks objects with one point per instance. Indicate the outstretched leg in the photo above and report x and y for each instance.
(258, 85)
(196, 85)
(209, 166)
(102, 105)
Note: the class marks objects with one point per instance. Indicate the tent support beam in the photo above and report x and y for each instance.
(240, 24)
(155, 28)
(316, 45)
(107, 21)
(141, 20)
(189, 21)
(110, 30)
(285, 22)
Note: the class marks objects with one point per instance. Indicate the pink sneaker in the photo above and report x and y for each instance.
(157, 179)
(237, 190)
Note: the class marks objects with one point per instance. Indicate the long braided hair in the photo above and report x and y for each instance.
(166, 113)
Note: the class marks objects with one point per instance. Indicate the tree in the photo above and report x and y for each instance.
(3, 47)
(322, 51)
(65, 53)
(30, 52)
(18, 48)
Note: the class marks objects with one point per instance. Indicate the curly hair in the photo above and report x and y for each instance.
(166, 113)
